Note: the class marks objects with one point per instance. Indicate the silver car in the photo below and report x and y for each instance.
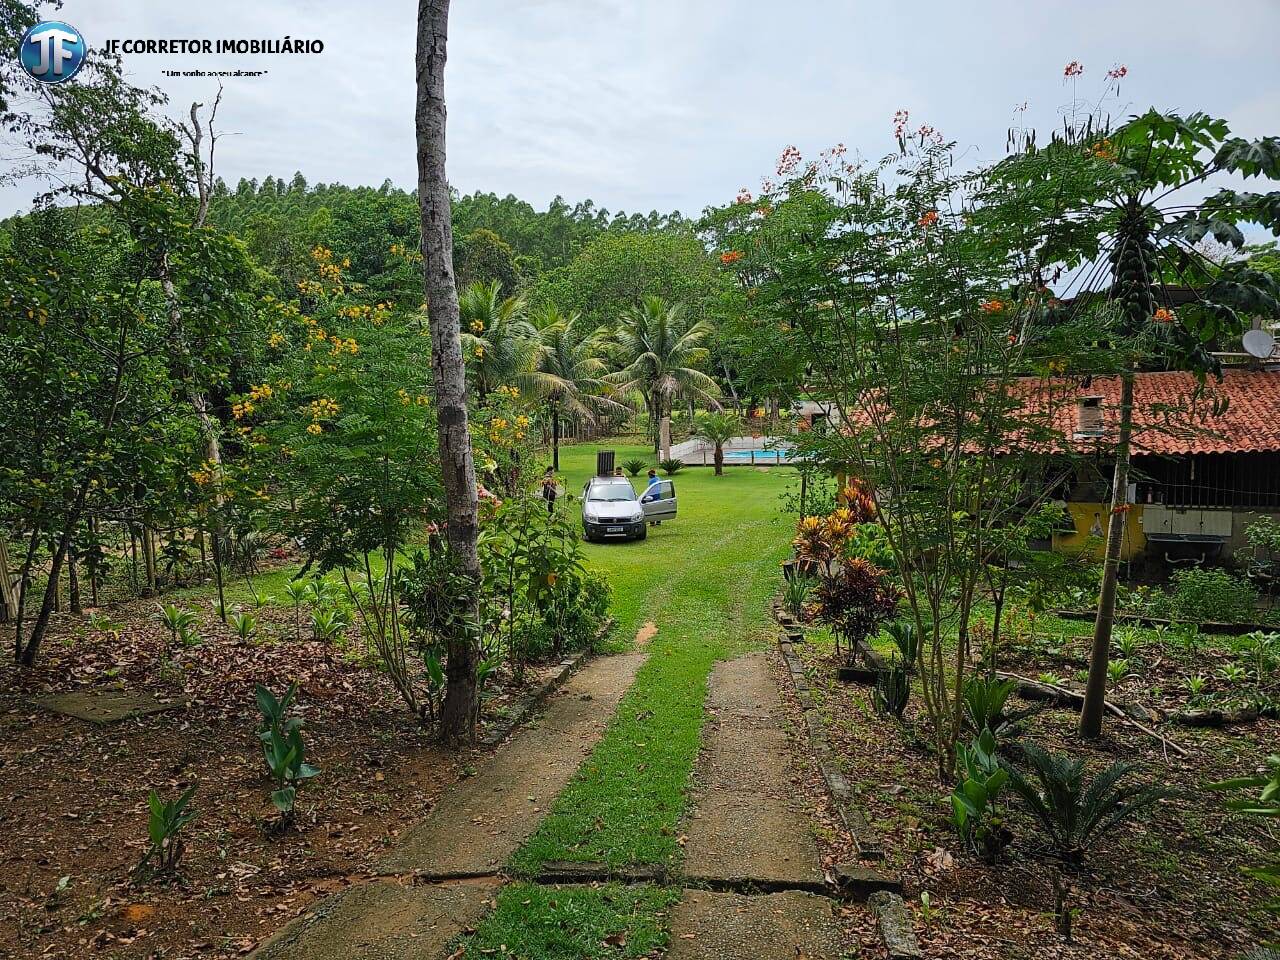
(612, 511)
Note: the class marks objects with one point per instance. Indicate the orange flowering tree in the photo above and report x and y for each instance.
(903, 294)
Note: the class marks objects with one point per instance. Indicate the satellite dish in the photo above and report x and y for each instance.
(1258, 343)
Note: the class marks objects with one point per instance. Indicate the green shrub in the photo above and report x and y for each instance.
(634, 466)
(165, 824)
(906, 639)
(1213, 595)
(282, 748)
(974, 802)
(892, 690)
(1073, 814)
(984, 702)
(795, 592)
(178, 621)
(245, 626)
(1265, 804)
(672, 466)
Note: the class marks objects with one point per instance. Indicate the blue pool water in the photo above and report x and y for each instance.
(759, 454)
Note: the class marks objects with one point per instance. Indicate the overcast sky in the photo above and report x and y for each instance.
(660, 104)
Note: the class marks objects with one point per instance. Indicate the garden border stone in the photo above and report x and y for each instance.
(842, 794)
(895, 926)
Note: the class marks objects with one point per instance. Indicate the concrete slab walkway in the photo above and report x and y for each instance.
(748, 828)
(470, 833)
(483, 820)
(746, 822)
(775, 926)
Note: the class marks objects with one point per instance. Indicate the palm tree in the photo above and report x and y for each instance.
(661, 348)
(718, 428)
(572, 372)
(502, 345)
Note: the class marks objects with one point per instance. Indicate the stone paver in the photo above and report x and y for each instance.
(777, 926)
(384, 920)
(472, 832)
(107, 706)
(748, 827)
(746, 820)
(483, 820)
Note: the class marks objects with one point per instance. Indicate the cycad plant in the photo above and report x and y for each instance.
(984, 702)
(662, 349)
(1075, 814)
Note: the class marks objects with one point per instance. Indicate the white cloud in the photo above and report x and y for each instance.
(669, 104)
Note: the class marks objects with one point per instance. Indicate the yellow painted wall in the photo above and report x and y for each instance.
(1083, 515)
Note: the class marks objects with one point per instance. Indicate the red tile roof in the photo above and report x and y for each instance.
(1166, 418)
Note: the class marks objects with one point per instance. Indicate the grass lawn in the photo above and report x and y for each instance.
(705, 580)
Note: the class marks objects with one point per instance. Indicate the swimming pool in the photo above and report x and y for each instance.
(759, 454)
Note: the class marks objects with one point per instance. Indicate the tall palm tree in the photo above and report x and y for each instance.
(502, 346)
(572, 383)
(661, 348)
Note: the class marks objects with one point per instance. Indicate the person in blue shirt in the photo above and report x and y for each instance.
(653, 481)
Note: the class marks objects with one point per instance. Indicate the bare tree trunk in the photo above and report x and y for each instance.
(149, 559)
(1096, 688)
(458, 472)
(719, 458)
(73, 582)
(8, 599)
(555, 438)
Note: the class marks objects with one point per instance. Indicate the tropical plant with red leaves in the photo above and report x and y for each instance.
(854, 600)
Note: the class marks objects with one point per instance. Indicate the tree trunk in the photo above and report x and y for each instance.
(27, 655)
(555, 439)
(8, 599)
(719, 457)
(149, 560)
(1096, 688)
(458, 472)
(73, 582)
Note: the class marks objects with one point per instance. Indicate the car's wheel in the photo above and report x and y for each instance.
(644, 532)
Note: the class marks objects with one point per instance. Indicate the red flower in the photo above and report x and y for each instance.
(991, 306)
(730, 256)
(929, 219)
(1118, 72)
(1163, 316)
(1073, 69)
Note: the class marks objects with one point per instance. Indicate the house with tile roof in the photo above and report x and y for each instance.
(1204, 466)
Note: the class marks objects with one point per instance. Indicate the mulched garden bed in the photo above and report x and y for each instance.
(76, 803)
(1168, 885)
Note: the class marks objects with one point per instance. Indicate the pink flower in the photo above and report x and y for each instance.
(744, 195)
(1118, 72)
(789, 160)
(1073, 69)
